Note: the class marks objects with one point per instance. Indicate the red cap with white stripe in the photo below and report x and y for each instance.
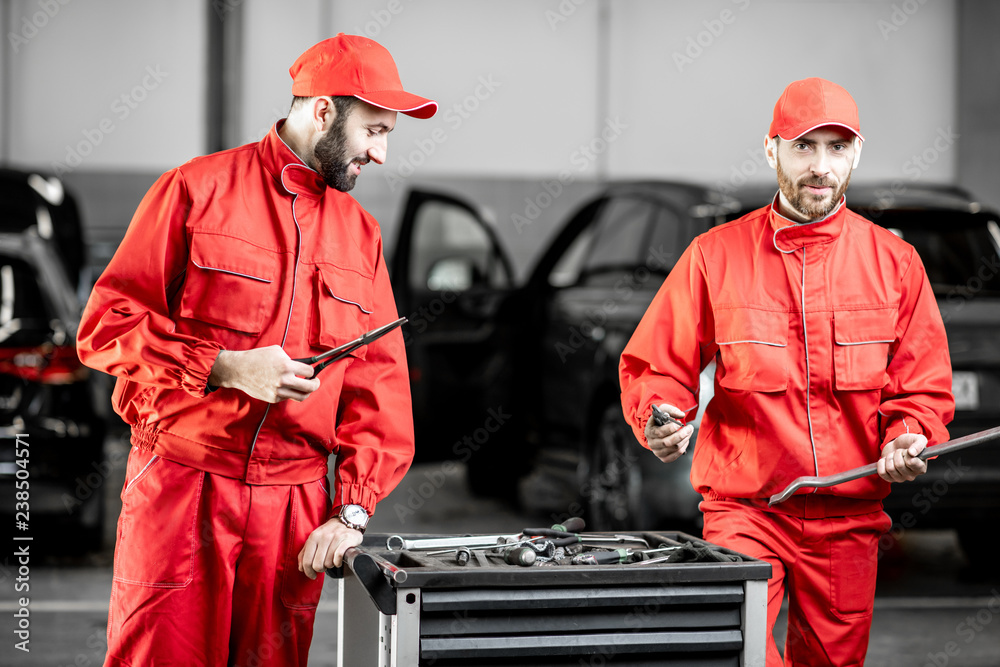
(811, 103)
(354, 66)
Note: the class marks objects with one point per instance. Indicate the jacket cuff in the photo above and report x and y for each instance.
(900, 426)
(198, 368)
(354, 494)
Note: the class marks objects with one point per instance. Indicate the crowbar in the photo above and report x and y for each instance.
(970, 440)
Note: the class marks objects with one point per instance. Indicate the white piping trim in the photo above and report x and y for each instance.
(759, 342)
(232, 273)
(295, 277)
(428, 103)
(824, 124)
(774, 237)
(865, 342)
(348, 301)
(297, 156)
(805, 340)
(141, 473)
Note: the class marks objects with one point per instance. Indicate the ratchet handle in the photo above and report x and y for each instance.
(574, 524)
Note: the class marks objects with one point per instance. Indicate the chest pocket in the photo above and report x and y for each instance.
(861, 348)
(343, 304)
(230, 283)
(753, 349)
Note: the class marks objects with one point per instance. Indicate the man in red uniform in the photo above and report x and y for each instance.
(830, 354)
(234, 265)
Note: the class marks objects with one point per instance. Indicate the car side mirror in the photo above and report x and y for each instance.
(454, 273)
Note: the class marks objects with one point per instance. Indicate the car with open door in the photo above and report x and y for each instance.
(520, 382)
(52, 462)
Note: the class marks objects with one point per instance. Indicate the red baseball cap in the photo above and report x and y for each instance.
(811, 103)
(358, 67)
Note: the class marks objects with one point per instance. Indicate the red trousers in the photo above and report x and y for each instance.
(206, 569)
(827, 565)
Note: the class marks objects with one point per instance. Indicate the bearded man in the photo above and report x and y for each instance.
(234, 266)
(830, 354)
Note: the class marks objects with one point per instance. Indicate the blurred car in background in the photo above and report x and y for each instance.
(521, 382)
(47, 413)
(959, 243)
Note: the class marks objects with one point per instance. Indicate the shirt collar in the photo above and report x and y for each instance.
(790, 235)
(287, 167)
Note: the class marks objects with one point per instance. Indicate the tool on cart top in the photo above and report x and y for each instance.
(558, 537)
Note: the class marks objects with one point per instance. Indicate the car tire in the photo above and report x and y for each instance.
(612, 481)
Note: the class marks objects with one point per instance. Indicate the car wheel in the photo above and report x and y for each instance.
(612, 480)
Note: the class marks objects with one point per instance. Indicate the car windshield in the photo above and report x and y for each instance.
(960, 250)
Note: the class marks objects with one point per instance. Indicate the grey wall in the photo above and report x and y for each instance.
(978, 114)
(530, 90)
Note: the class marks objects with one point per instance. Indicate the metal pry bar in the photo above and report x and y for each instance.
(971, 440)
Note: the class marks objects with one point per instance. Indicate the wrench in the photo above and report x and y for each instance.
(971, 440)
(396, 542)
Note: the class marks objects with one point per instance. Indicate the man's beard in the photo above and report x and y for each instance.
(333, 161)
(810, 205)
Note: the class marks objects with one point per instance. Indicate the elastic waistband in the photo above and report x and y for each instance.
(808, 505)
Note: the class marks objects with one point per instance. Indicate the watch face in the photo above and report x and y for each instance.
(355, 514)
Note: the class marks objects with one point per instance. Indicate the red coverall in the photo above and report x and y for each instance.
(829, 344)
(238, 250)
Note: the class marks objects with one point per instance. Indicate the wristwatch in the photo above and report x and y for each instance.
(353, 516)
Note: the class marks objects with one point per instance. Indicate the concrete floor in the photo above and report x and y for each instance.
(930, 608)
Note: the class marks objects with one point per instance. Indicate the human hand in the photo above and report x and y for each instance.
(264, 373)
(899, 462)
(325, 547)
(670, 441)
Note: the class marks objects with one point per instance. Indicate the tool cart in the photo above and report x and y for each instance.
(465, 604)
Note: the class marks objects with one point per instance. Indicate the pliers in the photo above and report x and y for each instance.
(323, 360)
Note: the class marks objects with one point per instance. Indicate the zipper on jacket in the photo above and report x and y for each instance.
(805, 342)
(291, 305)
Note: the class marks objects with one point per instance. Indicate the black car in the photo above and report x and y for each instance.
(52, 463)
(959, 243)
(521, 382)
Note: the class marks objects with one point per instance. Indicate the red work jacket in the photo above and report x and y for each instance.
(244, 249)
(828, 342)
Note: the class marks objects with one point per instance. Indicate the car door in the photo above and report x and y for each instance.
(450, 277)
(599, 288)
(596, 282)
